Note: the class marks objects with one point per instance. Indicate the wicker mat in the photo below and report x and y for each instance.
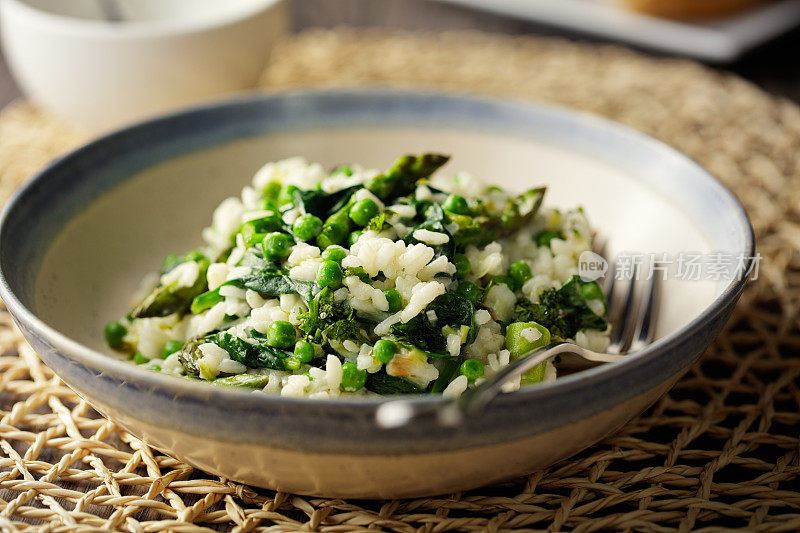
(719, 451)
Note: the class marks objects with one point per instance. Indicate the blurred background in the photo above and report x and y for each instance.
(60, 51)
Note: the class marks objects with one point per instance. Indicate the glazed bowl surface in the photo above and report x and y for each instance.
(76, 240)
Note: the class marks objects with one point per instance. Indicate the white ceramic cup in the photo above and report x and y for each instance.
(163, 54)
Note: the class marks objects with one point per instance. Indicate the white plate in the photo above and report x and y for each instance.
(722, 40)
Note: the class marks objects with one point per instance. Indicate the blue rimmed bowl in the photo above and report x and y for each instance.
(78, 237)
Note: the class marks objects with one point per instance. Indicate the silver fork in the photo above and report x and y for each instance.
(632, 312)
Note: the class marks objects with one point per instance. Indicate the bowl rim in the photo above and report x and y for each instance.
(135, 29)
(105, 363)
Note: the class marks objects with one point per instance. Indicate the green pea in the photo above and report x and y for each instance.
(329, 274)
(170, 347)
(472, 368)
(115, 332)
(281, 334)
(352, 378)
(304, 351)
(456, 204)
(518, 345)
(140, 359)
(385, 350)
(502, 278)
(592, 291)
(363, 210)
(334, 253)
(353, 237)
(277, 246)
(520, 272)
(307, 226)
(463, 266)
(273, 189)
(394, 299)
(470, 291)
(543, 238)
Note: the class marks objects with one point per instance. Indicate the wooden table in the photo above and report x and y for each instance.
(774, 66)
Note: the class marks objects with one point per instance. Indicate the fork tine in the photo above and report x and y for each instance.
(622, 328)
(647, 314)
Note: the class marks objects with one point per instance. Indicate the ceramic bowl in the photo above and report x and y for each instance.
(97, 73)
(77, 238)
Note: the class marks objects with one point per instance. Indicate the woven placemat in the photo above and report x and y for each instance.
(719, 451)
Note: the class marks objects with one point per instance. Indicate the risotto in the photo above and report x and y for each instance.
(355, 281)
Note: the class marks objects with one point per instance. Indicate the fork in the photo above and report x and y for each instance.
(631, 312)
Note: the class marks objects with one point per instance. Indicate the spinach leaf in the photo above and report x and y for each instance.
(383, 383)
(451, 310)
(324, 204)
(563, 311)
(250, 355)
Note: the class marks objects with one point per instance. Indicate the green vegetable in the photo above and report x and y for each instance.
(534, 375)
(327, 319)
(363, 211)
(486, 227)
(402, 177)
(207, 300)
(544, 237)
(335, 230)
(563, 311)
(451, 310)
(170, 347)
(472, 368)
(281, 334)
(272, 189)
(254, 231)
(353, 237)
(470, 291)
(520, 272)
(434, 221)
(385, 350)
(248, 381)
(165, 300)
(446, 374)
(140, 359)
(329, 274)
(323, 204)
(114, 333)
(304, 351)
(250, 355)
(518, 345)
(286, 196)
(395, 300)
(277, 246)
(382, 383)
(502, 278)
(592, 291)
(456, 204)
(334, 253)
(307, 226)
(352, 378)
(463, 266)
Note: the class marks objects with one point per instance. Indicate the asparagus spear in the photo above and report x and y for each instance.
(168, 299)
(485, 228)
(403, 176)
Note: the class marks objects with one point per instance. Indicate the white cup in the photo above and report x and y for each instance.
(69, 57)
